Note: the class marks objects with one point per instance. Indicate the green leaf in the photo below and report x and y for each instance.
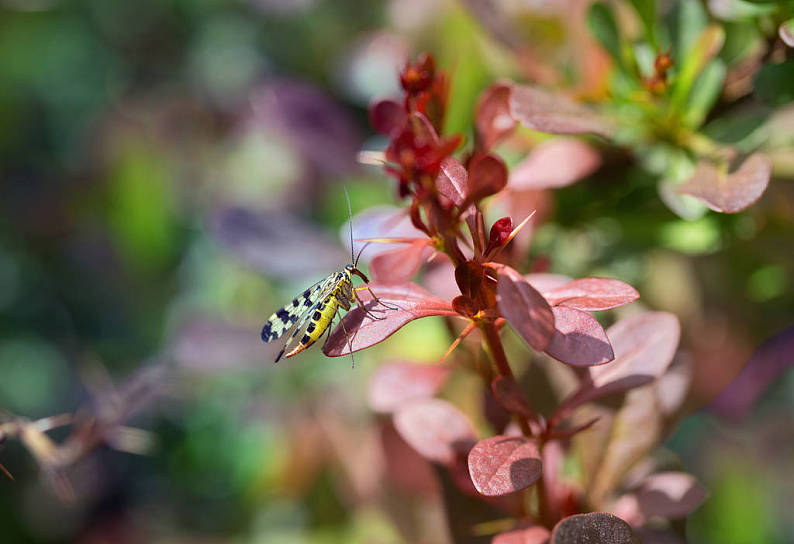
(646, 9)
(704, 93)
(707, 44)
(689, 20)
(601, 22)
(775, 83)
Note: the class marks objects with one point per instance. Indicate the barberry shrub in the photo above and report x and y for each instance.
(476, 281)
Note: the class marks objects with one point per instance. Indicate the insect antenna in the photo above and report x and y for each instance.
(350, 215)
(360, 251)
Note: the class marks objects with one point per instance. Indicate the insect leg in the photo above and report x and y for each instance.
(363, 307)
(376, 299)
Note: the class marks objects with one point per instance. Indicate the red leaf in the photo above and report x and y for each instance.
(393, 384)
(399, 265)
(363, 331)
(644, 346)
(532, 535)
(510, 397)
(500, 231)
(493, 119)
(434, 428)
(593, 528)
(671, 495)
(386, 116)
(487, 176)
(554, 113)
(379, 222)
(556, 163)
(730, 193)
(501, 465)
(525, 309)
(547, 282)
(452, 180)
(579, 339)
(592, 294)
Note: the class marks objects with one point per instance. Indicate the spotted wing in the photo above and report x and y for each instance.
(285, 319)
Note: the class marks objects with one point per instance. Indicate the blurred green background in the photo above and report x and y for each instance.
(129, 130)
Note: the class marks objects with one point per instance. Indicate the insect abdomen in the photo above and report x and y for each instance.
(319, 323)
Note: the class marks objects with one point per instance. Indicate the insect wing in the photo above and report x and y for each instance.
(284, 319)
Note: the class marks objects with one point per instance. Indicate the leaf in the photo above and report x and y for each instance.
(492, 116)
(394, 384)
(670, 495)
(487, 176)
(769, 361)
(545, 282)
(786, 32)
(579, 339)
(555, 114)
(276, 244)
(644, 346)
(646, 9)
(531, 535)
(435, 429)
(601, 22)
(510, 397)
(593, 528)
(592, 294)
(399, 265)
(774, 83)
(452, 181)
(734, 192)
(386, 116)
(363, 331)
(707, 45)
(554, 164)
(379, 222)
(525, 309)
(705, 93)
(501, 465)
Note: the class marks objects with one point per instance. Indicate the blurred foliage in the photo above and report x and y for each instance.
(124, 127)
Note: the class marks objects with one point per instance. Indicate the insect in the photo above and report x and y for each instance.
(312, 312)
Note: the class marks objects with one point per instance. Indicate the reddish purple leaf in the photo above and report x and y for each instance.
(733, 192)
(452, 180)
(579, 339)
(525, 309)
(531, 535)
(500, 231)
(487, 176)
(379, 222)
(772, 358)
(435, 429)
(386, 116)
(644, 346)
(510, 397)
(363, 331)
(492, 115)
(593, 528)
(671, 495)
(399, 265)
(547, 282)
(554, 164)
(501, 465)
(393, 384)
(555, 113)
(592, 294)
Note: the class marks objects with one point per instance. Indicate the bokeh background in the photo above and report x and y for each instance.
(171, 172)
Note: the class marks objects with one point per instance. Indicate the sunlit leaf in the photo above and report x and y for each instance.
(492, 116)
(579, 339)
(556, 114)
(399, 265)
(379, 222)
(593, 528)
(705, 93)
(452, 180)
(525, 309)
(592, 294)
(487, 176)
(786, 32)
(435, 429)
(733, 192)
(545, 282)
(553, 164)
(393, 384)
(501, 465)
(412, 302)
